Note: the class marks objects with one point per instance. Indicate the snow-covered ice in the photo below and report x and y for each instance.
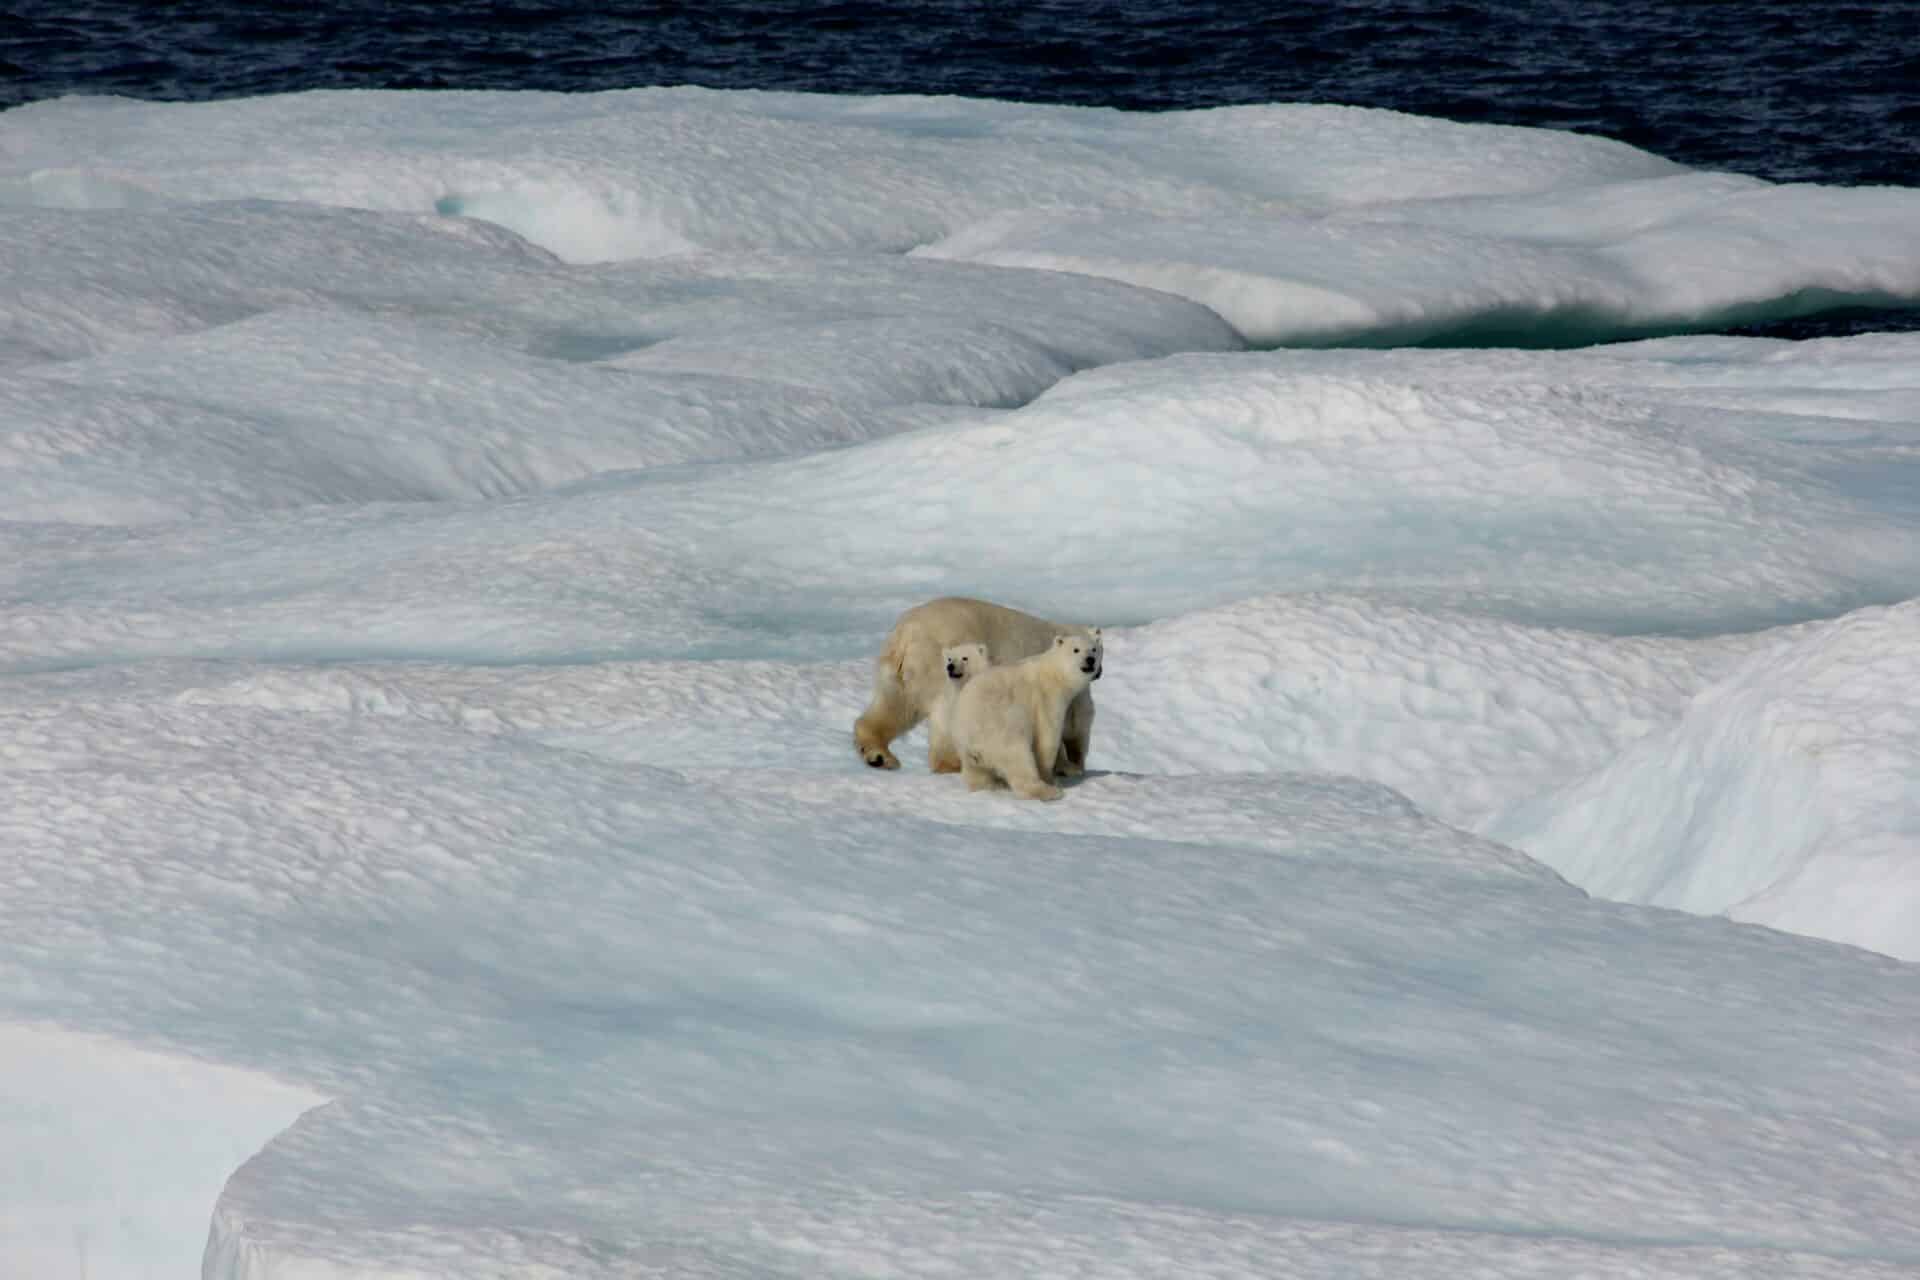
(442, 542)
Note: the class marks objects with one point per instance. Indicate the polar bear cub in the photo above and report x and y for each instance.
(1006, 722)
(963, 662)
(910, 678)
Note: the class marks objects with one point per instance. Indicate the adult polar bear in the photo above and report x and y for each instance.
(910, 677)
(1007, 722)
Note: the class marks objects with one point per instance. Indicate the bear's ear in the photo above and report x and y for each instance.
(1096, 633)
(1058, 641)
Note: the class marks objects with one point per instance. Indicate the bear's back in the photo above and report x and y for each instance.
(1008, 633)
(1034, 679)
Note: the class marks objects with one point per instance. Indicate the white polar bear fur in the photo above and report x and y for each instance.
(910, 677)
(1007, 722)
(961, 662)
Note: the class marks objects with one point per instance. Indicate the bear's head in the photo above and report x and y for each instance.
(965, 661)
(1083, 653)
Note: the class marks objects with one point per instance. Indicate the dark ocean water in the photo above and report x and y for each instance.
(1790, 90)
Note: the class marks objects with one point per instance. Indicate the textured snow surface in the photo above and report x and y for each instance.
(595, 1014)
(444, 538)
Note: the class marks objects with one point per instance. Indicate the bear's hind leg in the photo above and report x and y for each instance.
(871, 741)
(977, 778)
(890, 714)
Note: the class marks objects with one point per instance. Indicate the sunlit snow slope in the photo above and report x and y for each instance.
(443, 539)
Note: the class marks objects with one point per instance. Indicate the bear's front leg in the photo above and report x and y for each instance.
(941, 755)
(1024, 777)
(1064, 765)
(1075, 737)
(1047, 750)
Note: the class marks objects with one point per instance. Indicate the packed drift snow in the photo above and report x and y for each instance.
(432, 620)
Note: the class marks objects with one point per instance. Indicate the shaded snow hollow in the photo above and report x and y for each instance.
(442, 542)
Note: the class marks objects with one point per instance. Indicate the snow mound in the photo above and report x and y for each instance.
(1696, 251)
(1546, 489)
(87, 283)
(195, 365)
(1462, 714)
(1561, 495)
(1783, 795)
